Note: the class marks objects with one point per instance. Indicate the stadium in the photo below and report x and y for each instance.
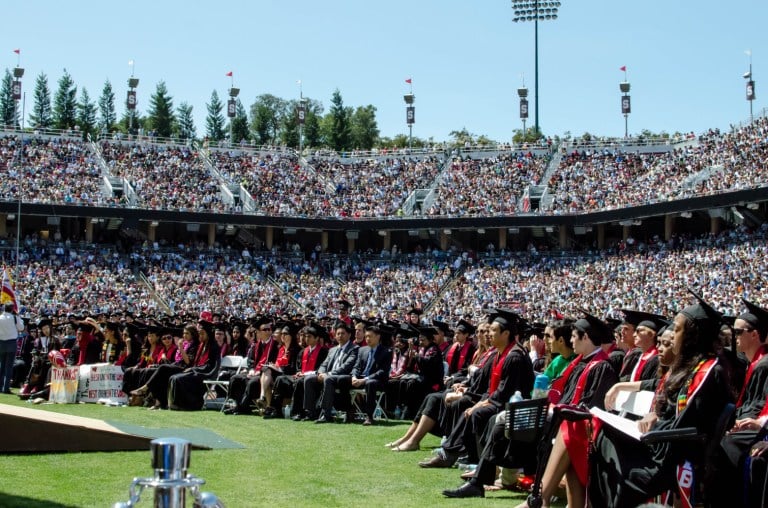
(136, 220)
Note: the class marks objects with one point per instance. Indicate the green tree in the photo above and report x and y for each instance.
(107, 115)
(401, 141)
(9, 109)
(364, 130)
(214, 122)
(312, 117)
(161, 117)
(41, 116)
(86, 114)
(239, 124)
(531, 135)
(186, 124)
(289, 135)
(65, 103)
(267, 115)
(336, 124)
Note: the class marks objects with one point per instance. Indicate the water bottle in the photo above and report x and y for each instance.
(516, 397)
(287, 412)
(540, 387)
(398, 413)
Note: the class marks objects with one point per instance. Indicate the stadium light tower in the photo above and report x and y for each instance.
(750, 85)
(535, 10)
(626, 105)
(131, 99)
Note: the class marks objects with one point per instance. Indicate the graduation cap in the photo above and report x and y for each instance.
(442, 326)
(343, 325)
(757, 317)
(702, 313)
(207, 326)
(614, 323)
(408, 331)
(44, 321)
(597, 329)
(344, 304)
(428, 332)
(112, 326)
(414, 310)
(507, 318)
(260, 320)
(317, 330)
(639, 318)
(465, 326)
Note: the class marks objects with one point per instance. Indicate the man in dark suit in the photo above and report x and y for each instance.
(371, 371)
(334, 372)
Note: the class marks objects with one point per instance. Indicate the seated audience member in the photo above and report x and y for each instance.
(335, 372)
(157, 384)
(186, 389)
(511, 371)
(626, 472)
(287, 363)
(244, 388)
(371, 371)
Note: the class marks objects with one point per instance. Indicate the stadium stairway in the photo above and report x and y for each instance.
(151, 288)
(455, 278)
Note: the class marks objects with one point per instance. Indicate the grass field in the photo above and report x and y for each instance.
(283, 464)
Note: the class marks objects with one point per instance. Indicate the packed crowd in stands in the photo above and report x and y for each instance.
(63, 170)
(165, 177)
(56, 278)
(49, 170)
(374, 187)
(594, 179)
(487, 187)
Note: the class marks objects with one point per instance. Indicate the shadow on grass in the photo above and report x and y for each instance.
(11, 501)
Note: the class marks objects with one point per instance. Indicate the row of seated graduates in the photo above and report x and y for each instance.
(717, 376)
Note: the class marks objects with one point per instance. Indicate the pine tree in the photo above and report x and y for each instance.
(214, 122)
(185, 127)
(363, 128)
(9, 109)
(107, 114)
(161, 116)
(240, 130)
(65, 103)
(86, 114)
(337, 125)
(41, 117)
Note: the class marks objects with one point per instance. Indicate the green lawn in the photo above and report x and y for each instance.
(283, 464)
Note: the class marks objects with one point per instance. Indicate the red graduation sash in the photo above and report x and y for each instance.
(201, 358)
(498, 366)
(760, 353)
(309, 359)
(462, 356)
(559, 382)
(581, 383)
(641, 363)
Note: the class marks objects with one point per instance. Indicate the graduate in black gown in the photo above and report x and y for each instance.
(186, 389)
(751, 328)
(624, 471)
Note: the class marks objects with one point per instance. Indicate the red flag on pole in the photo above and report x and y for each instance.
(8, 294)
(17, 51)
(409, 81)
(623, 68)
(229, 74)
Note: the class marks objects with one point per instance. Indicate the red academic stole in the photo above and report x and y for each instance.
(282, 357)
(764, 411)
(498, 366)
(462, 356)
(264, 356)
(309, 359)
(582, 382)
(559, 383)
(575, 434)
(484, 359)
(760, 353)
(641, 363)
(685, 471)
(201, 358)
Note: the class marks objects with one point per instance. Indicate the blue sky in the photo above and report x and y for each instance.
(685, 60)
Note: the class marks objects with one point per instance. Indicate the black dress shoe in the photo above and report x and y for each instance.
(440, 460)
(467, 490)
(231, 411)
(322, 419)
(368, 421)
(297, 418)
(271, 412)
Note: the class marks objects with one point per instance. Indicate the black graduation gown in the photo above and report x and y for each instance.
(186, 390)
(626, 473)
(755, 392)
(630, 360)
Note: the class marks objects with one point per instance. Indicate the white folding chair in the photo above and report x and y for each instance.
(378, 412)
(233, 364)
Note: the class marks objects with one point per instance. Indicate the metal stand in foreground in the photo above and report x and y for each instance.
(170, 460)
